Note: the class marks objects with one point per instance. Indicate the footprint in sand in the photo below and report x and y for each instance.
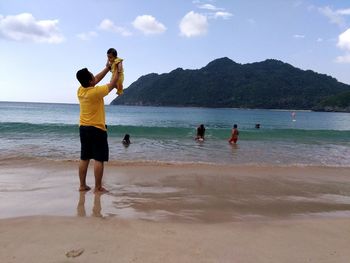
(74, 253)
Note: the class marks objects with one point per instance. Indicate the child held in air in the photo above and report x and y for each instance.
(116, 65)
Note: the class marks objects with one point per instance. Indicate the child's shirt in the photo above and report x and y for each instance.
(114, 68)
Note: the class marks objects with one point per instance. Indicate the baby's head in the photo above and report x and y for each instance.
(112, 54)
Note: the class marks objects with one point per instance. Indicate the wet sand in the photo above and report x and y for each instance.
(174, 213)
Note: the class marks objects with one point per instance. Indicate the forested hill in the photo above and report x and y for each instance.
(271, 84)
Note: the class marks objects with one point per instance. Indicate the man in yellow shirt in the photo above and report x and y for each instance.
(92, 126)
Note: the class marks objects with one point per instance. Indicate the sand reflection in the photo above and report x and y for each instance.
(96, 209)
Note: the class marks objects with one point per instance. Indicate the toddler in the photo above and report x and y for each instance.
(117, 70)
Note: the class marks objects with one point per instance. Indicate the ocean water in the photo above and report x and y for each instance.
(166, 134)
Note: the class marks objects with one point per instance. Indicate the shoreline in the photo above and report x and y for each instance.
(162, 191)
(174, 213)
(18, 160)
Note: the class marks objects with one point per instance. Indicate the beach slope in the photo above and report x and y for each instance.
(174, 213)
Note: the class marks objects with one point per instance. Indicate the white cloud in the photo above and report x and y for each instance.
(343, 59)
(299, 36)
(24, 27)
(345, 12)
(344, 43)
(210, 7)
(108, 25)
(344, 40)
(193, 24)
(148, 25)
(335, 16)
(223, 15)
(216, 12)
(87, 36)
(199, 1)
(319, 39)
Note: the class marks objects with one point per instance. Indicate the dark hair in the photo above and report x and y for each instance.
(234, 125)
(113, 52)
(126, 140)
(126, 137)
(84, 76)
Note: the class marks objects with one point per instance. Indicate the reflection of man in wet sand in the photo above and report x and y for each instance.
(96, 209)
(81, 205)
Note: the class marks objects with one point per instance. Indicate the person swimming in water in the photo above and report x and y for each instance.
(200, 133)
(126, 141)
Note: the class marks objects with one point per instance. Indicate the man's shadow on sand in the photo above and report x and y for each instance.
(96, 209)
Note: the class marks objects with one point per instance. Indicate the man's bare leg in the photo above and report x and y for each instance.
(98, 170)
(83, 167)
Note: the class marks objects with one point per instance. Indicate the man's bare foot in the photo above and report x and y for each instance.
(101, 190)
(84, 188)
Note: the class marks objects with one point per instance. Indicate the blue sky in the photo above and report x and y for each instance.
(43, 43)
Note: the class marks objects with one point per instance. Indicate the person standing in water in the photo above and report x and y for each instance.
(200, 133)
(234, 134)
(126, 140)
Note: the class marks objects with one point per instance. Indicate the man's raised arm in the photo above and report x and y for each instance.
(101, 75)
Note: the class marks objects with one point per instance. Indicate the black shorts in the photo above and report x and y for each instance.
(94, 144)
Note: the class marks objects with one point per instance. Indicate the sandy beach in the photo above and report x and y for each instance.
(158, 212)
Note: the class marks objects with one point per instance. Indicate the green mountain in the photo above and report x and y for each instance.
(270, 84)
(340, 102)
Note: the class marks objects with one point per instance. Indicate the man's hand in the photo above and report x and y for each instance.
(108, 65)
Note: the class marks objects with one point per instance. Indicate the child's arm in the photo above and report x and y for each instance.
(120, 66)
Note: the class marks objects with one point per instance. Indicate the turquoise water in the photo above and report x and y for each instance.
(166, 134)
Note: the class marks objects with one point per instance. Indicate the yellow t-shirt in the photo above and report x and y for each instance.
(92, 108)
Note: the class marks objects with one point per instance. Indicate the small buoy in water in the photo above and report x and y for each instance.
(293, 116)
